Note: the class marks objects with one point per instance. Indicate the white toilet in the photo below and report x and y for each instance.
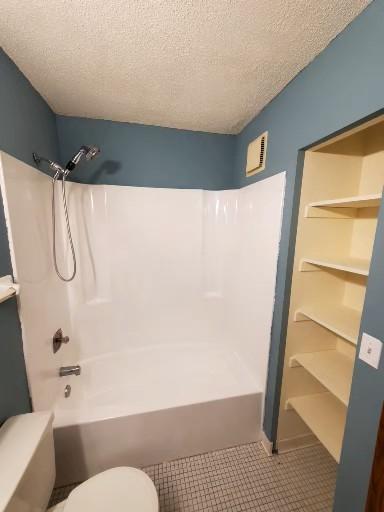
(27, 475)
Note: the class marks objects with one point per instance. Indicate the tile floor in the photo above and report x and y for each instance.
(243, 479)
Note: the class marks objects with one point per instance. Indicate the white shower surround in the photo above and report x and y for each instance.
(171, 308)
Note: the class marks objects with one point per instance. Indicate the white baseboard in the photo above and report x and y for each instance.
(266, 443)
(295, 443)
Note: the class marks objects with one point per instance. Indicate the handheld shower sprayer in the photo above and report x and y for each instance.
(88, 152)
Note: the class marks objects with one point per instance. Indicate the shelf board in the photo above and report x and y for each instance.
(341, 320)
(331, 368)
(325, 416)
(352, 265)
(344, 207)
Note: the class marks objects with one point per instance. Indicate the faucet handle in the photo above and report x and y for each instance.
(58, 339)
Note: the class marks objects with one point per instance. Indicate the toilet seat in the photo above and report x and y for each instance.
(119, 490)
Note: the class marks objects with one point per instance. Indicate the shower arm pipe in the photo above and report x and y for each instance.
(58, 170)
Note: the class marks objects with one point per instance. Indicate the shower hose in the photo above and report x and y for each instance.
(69, 234)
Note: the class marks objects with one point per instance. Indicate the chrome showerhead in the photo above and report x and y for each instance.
(92, 152)
(88, 152)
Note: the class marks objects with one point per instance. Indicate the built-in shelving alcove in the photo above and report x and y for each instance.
(341, 193)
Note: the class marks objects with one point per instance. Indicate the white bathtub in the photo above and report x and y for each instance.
(144, 406)
(165, 269)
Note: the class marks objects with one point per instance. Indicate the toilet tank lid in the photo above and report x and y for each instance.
(19, 439)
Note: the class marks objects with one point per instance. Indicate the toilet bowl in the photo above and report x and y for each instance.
(27, 475)
(118, 489)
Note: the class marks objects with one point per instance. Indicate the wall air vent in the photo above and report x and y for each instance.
(257, 152)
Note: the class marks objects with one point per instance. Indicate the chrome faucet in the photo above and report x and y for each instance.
(64, 371)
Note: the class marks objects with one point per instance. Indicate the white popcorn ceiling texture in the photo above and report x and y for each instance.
(208, 65)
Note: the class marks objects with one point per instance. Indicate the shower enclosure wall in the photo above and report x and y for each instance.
(169, 315)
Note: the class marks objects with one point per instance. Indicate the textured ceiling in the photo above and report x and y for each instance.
(207, 65)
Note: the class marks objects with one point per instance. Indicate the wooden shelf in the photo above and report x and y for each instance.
(325, 416)
(331, 368)
(341, 320)
(341, 193)
(343, 207)
(352, 265)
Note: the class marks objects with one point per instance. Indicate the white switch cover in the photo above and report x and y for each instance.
(370, 350)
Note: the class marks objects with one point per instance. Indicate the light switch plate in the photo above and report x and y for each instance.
(370, 350)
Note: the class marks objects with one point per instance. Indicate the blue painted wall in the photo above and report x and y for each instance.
(149, 156)
(342, 85)
(26, 124)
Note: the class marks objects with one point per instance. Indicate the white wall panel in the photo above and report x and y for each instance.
(250, 283)
(43, 301)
